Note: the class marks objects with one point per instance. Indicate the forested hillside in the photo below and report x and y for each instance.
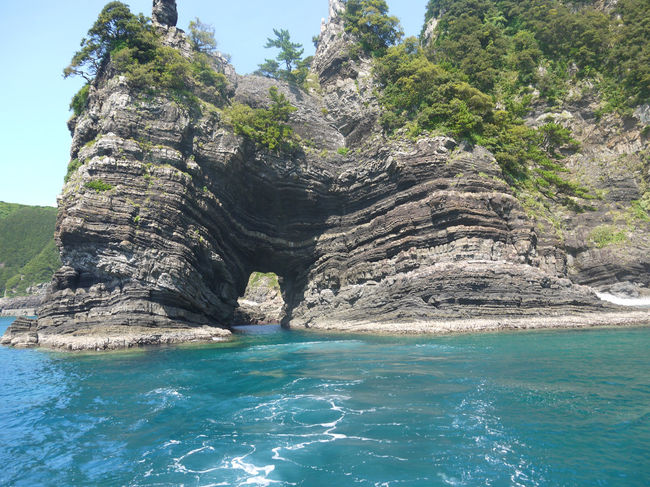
(482, 65)
(28, 255)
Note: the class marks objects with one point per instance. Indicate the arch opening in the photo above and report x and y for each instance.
(262, 302)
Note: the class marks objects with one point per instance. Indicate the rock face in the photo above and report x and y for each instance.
(24, 305)
(346, 84)
(361, 229)
(21, 334)
(609, 244)
(262, 303)
(165, 13)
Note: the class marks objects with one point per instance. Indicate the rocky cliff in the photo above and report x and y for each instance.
(360, 228)
(608, 245)
(24, 305)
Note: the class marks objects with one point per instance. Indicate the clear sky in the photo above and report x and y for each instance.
(38, 38)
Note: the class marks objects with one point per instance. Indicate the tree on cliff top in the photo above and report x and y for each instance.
(115, 28)
(133, 48)
(370, 22)
(202, 36)
(295, 68)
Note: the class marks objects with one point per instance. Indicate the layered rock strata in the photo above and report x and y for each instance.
(24, 305)
(359, 228)
(608, 245)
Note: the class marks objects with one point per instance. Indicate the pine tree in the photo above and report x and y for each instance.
(202, 36)
(288, 64)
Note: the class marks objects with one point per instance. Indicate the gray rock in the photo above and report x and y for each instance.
(165, 13)
(642, 113)
(627, 290)
(346, 84)
(429, 34)
(24, 305)
(262, 304)
(21, 334)
(612, 163)
(386, 231)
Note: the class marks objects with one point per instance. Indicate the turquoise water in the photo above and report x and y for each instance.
(286, 408)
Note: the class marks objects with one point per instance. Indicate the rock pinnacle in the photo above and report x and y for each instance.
(165, 13)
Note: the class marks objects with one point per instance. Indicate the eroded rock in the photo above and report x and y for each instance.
(360, 228)
(165, 12)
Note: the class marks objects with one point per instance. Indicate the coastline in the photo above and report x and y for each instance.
(114, 338)
(106, 339)
(625, 318)
(17, 312)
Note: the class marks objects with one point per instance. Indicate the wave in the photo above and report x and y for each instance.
(635, 302)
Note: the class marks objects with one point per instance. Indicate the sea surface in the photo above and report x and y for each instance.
(276, 408)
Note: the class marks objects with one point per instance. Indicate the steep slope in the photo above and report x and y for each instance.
(608, 243)
(28, 255)
(170, 211)
(575, 71)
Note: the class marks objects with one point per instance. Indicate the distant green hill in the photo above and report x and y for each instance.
(28, 254)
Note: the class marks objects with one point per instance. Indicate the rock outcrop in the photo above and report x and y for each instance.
(261, 304)
(608, 244)
(361, 229)
(24, 305)
(165, 13)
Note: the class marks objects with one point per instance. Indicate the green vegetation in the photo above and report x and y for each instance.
(258, 278)
(37, 271)
(202, 36)
(427, 97)
(80, 100)
(606, 235)
(129, 45)
(7, 209)
(73, 165)
(486, 54)
(269, 128)
(509, 46)
(640, 208)
(116, 28)
(98, 185)
(288, 65)
(629, 58)
(28, 255)
(369, 21)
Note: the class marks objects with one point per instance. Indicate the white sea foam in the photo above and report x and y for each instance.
(644, 302)
(318, 345)
(435, 346)
(257, 475)
(166, 391)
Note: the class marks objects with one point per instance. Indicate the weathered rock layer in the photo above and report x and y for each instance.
(382, 231)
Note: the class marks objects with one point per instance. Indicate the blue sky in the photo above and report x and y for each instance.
(38, 38)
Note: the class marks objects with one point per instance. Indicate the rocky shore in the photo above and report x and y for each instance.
(24, 334)
(170, 212)
(24, 305)
(493, 324)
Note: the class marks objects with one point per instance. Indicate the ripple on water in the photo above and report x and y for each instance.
(565, 408)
